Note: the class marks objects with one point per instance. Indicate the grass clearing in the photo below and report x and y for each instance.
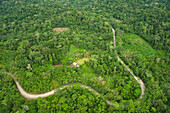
(135, 44)
(82, 61)
(71, 55)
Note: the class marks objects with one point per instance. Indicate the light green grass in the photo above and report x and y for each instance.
(82, 61)
(133, 44)
(71, 55)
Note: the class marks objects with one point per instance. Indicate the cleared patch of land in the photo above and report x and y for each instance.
(74, 53)
(132, 44)
(81, 61)
(58, 30)
(118, 21)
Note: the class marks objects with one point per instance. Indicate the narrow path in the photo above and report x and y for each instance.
(142, 86)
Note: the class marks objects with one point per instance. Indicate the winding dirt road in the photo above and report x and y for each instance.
(142, 86)
(29, 96)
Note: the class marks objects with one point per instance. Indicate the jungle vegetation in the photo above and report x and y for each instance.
(39, 52)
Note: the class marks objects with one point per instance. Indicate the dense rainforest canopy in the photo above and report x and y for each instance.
(40, 40)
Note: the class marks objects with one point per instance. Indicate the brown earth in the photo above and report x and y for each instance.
(118, 21)
(58, 30)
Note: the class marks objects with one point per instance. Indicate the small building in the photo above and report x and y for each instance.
(75, 64)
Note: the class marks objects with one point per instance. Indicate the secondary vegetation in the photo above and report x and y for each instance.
(40, 39)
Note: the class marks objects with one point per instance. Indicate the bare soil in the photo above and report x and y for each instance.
(58, 30)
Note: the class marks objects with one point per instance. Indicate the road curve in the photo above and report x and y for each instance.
(29, 96)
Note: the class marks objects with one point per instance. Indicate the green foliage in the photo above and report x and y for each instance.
(34, 53)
